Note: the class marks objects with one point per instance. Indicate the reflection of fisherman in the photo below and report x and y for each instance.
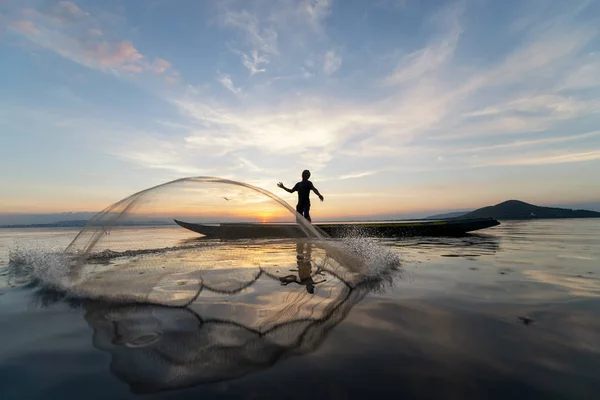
(304, 269)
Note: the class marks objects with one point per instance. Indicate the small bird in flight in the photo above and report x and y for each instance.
(226, 198)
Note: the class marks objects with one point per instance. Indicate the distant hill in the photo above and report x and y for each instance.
(82, 223)
(455, 214)
(515, 209)
(35, 219)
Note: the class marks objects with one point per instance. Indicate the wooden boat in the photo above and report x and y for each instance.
(452, 227)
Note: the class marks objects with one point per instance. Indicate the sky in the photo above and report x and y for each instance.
(395, 106)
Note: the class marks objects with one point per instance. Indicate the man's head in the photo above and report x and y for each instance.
(305, 174)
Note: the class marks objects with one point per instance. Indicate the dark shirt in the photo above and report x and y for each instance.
(303, 188)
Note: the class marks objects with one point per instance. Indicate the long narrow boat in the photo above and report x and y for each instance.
(369, 229)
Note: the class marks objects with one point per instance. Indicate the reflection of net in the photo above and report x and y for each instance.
(178, 276)
(226, 331)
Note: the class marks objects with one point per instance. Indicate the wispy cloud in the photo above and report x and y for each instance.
(424, 61)
(276, 30)
(161, 66)
(227, 83)
(437, 54)
(254, 61)
(77, 35)
(62, 13)
(316, 11)
(151, 151)
(559, 106)
(25, 27)
(68, 12)
(95, 32)
(585, 77)
(546, 159)
(262, 38)
(358, 175)
(316, 123)
(332, 62)
(523, 143)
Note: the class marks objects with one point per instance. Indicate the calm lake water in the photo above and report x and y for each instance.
(512, 312)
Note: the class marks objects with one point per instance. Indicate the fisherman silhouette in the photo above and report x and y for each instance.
(303, 188)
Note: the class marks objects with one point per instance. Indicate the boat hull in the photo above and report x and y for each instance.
(378, 229)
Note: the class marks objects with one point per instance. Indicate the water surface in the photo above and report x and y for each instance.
(510, 312)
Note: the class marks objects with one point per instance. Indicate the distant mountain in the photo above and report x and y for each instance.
(82, 223)
(455, 214)
(515, 209)
(579, 206)
(53, 218)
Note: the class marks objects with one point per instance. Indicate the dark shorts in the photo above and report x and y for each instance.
(304, 210)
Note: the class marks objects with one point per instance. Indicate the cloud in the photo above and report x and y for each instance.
(427, 60)
(543, 52)
(161, 66)
(358, 175)
(295, 16)
(332, 62)
(316, 10)
(262, 39)
(275, 31)
(319, 125)
(537, 143)
(172, 76)
(63, 13)
(253, 63)
(535, 113)
(154, 153)
(585, 77)
(260, 36)
(565, 107)
(67, 30)
(69, 12)
(555, 158)
(544, 58)
(121, 55)
(95, 32)
(227, 83)
(25, 27)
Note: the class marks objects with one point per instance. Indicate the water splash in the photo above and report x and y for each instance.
(41, 265)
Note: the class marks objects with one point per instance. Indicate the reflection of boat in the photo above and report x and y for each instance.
(470, 245)
(373, 229)
(224, 334)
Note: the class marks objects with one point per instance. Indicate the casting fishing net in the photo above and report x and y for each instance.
(175, 308)
(125, 254)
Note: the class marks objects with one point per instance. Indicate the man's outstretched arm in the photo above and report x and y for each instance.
(317, 193)
(286, 189)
